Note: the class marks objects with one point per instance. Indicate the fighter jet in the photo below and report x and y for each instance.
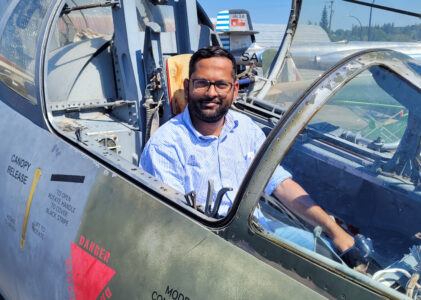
(84, 84)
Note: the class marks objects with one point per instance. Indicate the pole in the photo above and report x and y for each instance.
(361, 26)
(369, 23)
(331, 14)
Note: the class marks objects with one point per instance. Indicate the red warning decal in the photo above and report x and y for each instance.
(88, 275)
(238, 22)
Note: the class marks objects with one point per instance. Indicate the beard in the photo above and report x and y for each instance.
(207, 115)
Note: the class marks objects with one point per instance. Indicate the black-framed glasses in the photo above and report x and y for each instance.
(203, 85)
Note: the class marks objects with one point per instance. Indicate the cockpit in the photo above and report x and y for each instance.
(358, 153)
(356, 157)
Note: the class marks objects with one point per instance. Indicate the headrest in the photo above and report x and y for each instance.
(177, 71)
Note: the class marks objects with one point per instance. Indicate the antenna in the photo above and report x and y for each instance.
(331, 14)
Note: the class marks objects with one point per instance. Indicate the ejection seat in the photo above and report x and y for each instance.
(177, 71)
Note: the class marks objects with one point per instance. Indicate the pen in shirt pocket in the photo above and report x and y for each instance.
(249, 156)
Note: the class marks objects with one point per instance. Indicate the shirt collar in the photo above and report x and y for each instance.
(230, 124)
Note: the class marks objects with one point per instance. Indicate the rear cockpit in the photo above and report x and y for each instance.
(106, 80)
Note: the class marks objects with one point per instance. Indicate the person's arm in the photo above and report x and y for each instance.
(293, 196)
(163, 163)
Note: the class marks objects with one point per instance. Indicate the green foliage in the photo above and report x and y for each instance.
(324, 23)
(386, 32)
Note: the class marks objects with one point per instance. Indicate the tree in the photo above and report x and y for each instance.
(324, 23)
(386, 32)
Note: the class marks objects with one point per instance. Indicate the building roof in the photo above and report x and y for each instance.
(272, 34)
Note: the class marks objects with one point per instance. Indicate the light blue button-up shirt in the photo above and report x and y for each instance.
(181, 157)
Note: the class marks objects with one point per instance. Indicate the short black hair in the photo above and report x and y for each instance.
(208, 52)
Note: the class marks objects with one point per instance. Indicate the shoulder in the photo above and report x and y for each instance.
(169, 133)
(163, 146)
(239, 116)
(244, 122)
(246, 131)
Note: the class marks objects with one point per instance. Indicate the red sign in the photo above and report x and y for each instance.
(238, 22)
(88, 275)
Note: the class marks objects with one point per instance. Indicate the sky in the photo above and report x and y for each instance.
(345, 14)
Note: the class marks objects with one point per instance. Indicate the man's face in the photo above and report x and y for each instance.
(211, 104)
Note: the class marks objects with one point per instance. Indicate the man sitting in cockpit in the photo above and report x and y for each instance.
(208, 141)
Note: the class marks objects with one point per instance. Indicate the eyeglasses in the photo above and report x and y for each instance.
(203, 85)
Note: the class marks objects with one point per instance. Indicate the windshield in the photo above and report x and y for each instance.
(359, 159)
(18, 46)
(3, 5)
(328, 31)
(77, 25)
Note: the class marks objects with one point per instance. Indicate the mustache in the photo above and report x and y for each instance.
(209, 100)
